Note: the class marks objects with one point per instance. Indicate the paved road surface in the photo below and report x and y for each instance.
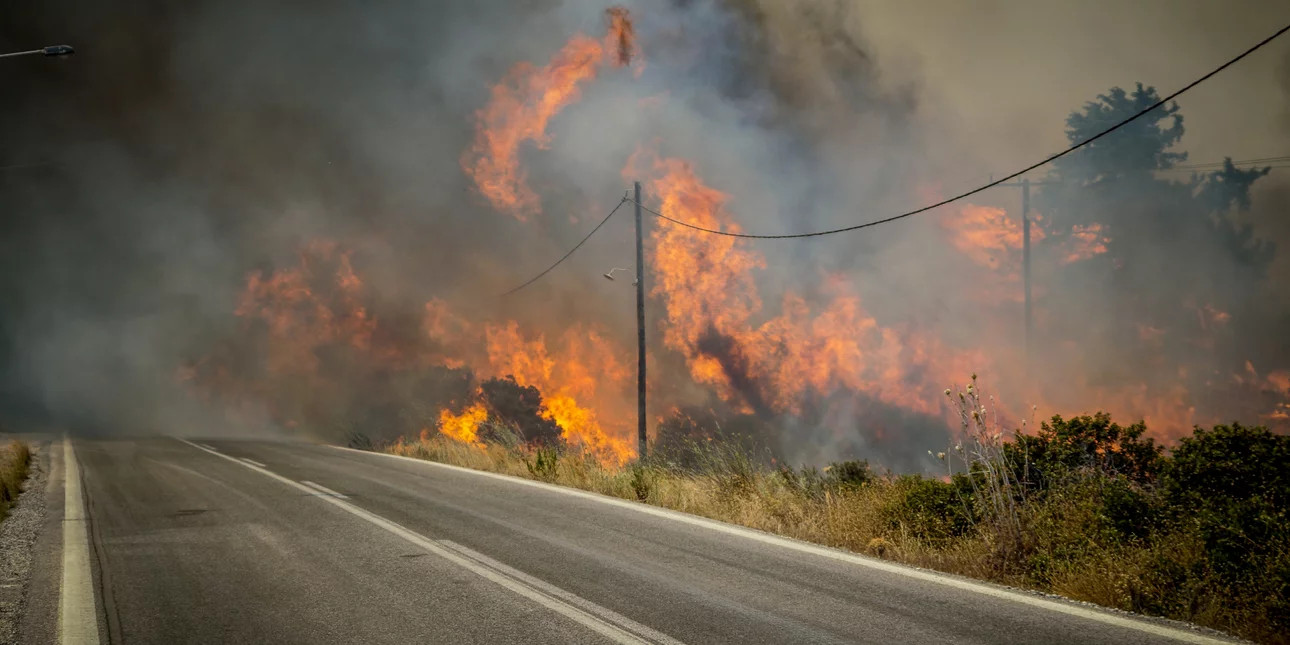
(224, 541)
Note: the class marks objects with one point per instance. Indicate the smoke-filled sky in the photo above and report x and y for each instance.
(188, 145)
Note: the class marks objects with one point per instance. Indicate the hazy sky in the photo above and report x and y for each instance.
(1007, 73)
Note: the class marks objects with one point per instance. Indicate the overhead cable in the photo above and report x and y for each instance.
(991, 184)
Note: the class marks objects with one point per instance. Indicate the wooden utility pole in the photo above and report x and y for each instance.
(1025, 262)
(640, 327)
(1025, 185)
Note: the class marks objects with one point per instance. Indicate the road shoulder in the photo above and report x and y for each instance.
(39, 620)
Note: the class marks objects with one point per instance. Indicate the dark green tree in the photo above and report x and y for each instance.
(1176, 255)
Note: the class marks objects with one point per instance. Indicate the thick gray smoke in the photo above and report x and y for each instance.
(189, 144)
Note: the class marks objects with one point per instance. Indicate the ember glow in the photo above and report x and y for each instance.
(1086, 242)
(990, 236)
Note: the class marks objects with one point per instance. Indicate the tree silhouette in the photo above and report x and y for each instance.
(1177, 255)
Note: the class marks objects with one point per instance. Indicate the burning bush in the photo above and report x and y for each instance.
(518, 407)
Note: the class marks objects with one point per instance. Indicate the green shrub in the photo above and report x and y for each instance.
(850, 474)
(1062, 448)
(932, 510)
(1126, 510)
(1232, 483)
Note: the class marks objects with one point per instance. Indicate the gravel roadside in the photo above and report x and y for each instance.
(17, 537)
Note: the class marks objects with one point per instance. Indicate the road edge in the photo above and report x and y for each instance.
(1153, 625)
(78, 622)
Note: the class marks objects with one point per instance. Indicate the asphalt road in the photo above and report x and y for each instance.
(225, 542)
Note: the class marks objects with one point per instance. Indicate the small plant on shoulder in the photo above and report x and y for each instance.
(545, 463)
(981, 452)
(643, 481)
(360, 441)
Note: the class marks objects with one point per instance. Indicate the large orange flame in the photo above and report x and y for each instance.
(711, 302)
(525, 101)
(586, 364)
(463, 427)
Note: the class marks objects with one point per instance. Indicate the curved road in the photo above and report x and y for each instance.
(223, 541)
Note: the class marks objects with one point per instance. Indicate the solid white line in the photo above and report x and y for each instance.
(322, 489)
(206, 447)
(253, 462)
(77, 619)
(591, 621)
(1068, 608)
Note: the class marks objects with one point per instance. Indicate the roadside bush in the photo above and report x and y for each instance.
(932, 510)
(1085, 508)
(518, 408)
(1064, 447)
(1230, 485)
(850, 474)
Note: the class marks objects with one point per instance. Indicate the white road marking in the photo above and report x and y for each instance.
(322, 489)
(595, 621)
(608, 615)
(1068, 608)
(253, 462)
(211, 448)
(77, 618)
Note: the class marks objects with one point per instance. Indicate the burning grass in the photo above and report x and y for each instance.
(1084, 508)
(15, 462)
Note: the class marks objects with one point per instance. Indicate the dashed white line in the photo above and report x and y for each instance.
(584, 612)
(323, 489)
(77, 619)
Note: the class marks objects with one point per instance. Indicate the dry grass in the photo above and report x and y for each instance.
(853, 518)
(873, 519)
(15, 462)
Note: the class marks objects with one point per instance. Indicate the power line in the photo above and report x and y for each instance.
(1219, 164)
(575, 248)
(1209, 170)
(992, 184)
(1239, 163)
